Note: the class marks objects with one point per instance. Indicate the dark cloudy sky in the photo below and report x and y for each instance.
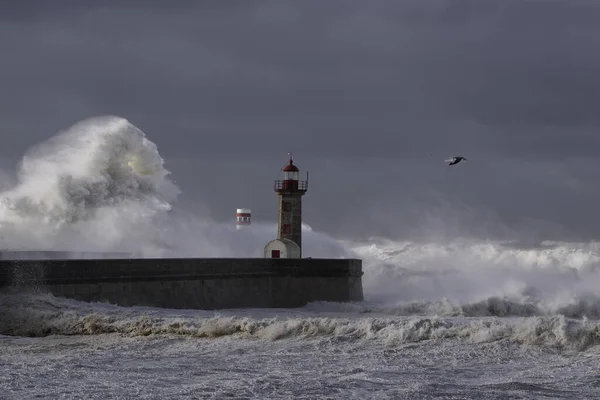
(371, 96)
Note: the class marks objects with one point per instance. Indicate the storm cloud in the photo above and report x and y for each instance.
(370, 96)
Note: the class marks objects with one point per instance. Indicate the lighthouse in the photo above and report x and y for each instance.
(289, 228)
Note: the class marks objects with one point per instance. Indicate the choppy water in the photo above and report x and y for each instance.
(503, 324)
(66, 349)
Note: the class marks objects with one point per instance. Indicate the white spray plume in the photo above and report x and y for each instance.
(93, 185)
(479, 278)
(101, 185)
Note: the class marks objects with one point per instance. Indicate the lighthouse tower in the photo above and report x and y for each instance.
(289, 229)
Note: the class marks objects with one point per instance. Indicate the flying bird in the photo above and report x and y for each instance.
(455, 160)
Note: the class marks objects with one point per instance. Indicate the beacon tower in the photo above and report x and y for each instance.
(289, 228)
(290, 191)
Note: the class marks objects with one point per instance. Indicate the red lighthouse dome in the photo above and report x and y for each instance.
(290, 166)
(290, 171)
(291, 179)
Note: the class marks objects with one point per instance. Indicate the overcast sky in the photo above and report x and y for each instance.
(371, 96)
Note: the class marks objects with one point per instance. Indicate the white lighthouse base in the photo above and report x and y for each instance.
(282, 248)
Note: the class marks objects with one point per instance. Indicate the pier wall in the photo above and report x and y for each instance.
(190, 283)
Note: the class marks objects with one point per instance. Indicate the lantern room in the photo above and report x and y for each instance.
(290, 171)
(291, 179)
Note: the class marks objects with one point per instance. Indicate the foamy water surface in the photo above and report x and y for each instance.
(60, 347)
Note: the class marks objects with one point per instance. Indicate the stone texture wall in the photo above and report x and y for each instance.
(290, 214)
(191, 283)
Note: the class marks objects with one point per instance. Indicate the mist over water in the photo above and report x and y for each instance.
(482, 278)
(101, 185)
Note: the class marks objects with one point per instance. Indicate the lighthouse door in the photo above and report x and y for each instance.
(275, 254)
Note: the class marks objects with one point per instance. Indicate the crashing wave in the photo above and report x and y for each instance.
(43, 315)
(93, 185)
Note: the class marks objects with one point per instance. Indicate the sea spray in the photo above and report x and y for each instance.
(101, 185)
(97, 185)
(481, 278)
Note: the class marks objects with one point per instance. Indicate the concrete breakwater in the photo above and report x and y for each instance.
(190, 283)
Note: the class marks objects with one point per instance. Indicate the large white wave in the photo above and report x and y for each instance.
(479, 278)
(101, 185)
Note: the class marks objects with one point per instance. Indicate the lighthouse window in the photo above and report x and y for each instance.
(286, 206)
(291, 175)
(285, 229)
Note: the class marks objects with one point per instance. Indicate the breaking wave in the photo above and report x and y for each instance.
(469, 278)
(95, 185)
(50, 316)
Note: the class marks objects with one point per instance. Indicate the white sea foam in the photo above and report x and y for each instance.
(481, 278)
(97, 185)
(36, 315)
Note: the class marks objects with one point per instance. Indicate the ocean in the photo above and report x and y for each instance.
(459, 319)
(535, 336)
